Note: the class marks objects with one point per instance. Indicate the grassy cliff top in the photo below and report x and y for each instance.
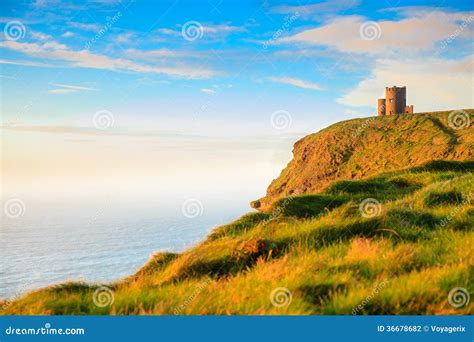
(393, 243)
(360, 148)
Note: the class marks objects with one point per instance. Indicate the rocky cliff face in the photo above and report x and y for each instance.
(361, 148)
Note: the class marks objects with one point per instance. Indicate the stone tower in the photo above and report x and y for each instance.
(395, 102)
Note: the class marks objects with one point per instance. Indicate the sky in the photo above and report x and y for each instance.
(169, 90)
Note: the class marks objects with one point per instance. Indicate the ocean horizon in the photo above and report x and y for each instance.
(100, 241)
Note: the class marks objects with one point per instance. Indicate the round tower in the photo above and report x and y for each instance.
(380, 107)
(395, 100)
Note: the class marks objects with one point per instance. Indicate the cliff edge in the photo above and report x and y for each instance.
(360, 148)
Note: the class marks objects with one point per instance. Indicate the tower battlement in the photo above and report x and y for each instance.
(395, 102)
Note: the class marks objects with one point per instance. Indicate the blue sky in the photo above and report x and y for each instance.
(259, 74)
(247, 60)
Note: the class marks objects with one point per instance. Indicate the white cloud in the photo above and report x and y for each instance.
(296, 82)
(124, 38)
(44, 3)
(26, 63)
(62, 91)
(326, 6)
(432, 83)
(162, 54)
(86, 59)
(74, 87)
(222, 29)
(419, 32)
(208, 91)
(86, 27)
(67, 89)
(67, 34)
(209, 31)
(40, 35)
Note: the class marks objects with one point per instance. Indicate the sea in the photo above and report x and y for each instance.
(46, 242)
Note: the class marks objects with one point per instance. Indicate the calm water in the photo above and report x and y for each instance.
(99, 240)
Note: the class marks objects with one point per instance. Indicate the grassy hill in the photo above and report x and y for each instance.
(361, 148)
(396, 242)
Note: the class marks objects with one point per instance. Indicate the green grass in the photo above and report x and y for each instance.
(406, 259)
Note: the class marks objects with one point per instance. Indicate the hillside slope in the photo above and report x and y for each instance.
(360, 148)
(399, 242)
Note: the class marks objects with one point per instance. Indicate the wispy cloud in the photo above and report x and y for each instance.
(74, 87)
(86, 59)
(124, 38)
(209, 30)
(40, 35)
(85, 26)
(67, 34)
(323, 7)
(159, 54)
(412, 34)
(26, 63)
(44, 3)
(208, 91)
(67, 88)
(296, 82)
(61, 91)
